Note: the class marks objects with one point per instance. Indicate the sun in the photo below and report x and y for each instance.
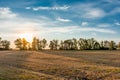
(27, 36)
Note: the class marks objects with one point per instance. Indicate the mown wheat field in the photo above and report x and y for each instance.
(59, 65)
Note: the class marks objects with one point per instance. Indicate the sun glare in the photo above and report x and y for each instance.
(27, 36)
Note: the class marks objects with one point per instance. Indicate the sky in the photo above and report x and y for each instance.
(60, 19)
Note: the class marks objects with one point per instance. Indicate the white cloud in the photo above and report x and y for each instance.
(28, 8)
(113, 1)
(115, 11)
(68, 29)
(105, 25)
(63, 20)
(94, 13)
(84, 24)
(97, 30)
(6, 13)
(88, 10)
(93, 34)
(51, 8)
(117, 23)
(65, 29)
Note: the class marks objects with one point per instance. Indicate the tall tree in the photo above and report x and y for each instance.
(24, 43)
(38, 44)
(118, 45)
(83, 44)
(51, 45)
(106, 44)
(93, 44)
(88, 44)
(18, 43)
(29, 46)
(112, 45)
(5, 44)
(54, 45)
(0, 43)
(44, 41)
(102, 44)
(74, 46)
(34, 43)
(61, 45)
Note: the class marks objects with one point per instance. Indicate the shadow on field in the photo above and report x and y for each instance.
(15, 63)
(14, 58)
(103, 57)
(12, 63)
(92, 57)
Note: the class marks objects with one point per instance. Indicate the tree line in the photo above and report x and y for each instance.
(69, 44)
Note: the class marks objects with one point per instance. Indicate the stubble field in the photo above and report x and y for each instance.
(59, 65)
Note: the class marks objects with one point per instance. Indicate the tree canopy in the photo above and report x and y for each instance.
(4, 44)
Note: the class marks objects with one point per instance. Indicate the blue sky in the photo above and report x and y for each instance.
(60, 19)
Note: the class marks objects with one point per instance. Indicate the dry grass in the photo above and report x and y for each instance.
(60, 65)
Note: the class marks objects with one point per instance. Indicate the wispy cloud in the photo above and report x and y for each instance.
(97, 30)
(63, 20)
(28, 8)
(67, 29)
(49, 8)
(94, 13)
(6, 13)
(113, 1)
(103, 25)
(93, 34)
(84, 24)
(117, 23)
(89, 10)
(115, 11)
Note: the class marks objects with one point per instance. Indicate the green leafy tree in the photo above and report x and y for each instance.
(24, 44)
(88, 44)
(83, 44)
(18, 43)
(51, 45)
(106, 44)
(54, 45)
(5, 44)
(112, 45)
(74, 46)
(0, 43)
(44, 42)
(93, 44)
(38, 44)
(118, 45)
(35, 44)
(29, 46)
(61, 45)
